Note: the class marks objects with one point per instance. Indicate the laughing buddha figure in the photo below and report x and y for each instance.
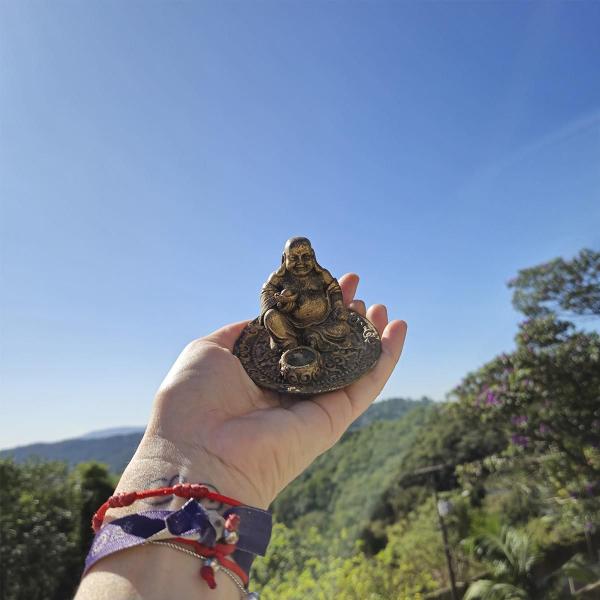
(302, 304)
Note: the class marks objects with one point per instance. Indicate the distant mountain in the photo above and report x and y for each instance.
(388, 410)
(116, 446)
(115, 451)
(106, 433)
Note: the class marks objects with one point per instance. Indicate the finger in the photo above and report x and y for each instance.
(358, 306)
(377, 314)
(348, 283)
(366, 389)
(227, 336)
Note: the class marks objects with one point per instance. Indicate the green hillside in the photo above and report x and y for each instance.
(341, 488)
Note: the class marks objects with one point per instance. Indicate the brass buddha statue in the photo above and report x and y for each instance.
(305, 340)
(301, 304)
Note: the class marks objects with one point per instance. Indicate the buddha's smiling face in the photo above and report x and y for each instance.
(299, 260)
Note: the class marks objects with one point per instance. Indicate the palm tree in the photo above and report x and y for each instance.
(511, 558)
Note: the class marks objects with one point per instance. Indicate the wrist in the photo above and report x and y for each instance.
(229, 540)
(158, 462)
(147, 572)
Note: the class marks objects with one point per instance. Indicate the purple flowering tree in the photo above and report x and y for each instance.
(546, 393)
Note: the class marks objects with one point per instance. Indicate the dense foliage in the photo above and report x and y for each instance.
(342, 487)
(45, 526)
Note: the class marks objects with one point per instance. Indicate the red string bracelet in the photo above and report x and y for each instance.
(183, 490)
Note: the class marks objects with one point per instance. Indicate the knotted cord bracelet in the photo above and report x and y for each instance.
(182, 490)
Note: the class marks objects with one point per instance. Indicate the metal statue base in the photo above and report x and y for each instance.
(304, 370)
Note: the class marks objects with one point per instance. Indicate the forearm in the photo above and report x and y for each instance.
(151, 572)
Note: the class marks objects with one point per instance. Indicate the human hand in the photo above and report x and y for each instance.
(211, 423)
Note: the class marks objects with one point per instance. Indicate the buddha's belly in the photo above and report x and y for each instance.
(310, 308)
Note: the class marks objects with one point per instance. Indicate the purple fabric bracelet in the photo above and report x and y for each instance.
(191, 520)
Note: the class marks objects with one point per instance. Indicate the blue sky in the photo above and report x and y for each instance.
(155, 156)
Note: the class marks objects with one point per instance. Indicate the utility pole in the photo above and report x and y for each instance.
(445, 540)
(432, 471)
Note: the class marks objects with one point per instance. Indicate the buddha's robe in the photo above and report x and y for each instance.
(309, 320)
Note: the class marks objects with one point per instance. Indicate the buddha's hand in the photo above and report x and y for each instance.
(210, 423)
(340, 313)
(286, 300)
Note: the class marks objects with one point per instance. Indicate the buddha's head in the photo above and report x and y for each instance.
(298, 256)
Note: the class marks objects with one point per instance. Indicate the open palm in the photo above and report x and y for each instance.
(248, 441)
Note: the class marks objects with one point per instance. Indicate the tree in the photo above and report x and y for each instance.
(546, 393)
(95, 485)
(511, 559)
(45, 528)
(39, 528)
(560, 286)
(513, 564)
